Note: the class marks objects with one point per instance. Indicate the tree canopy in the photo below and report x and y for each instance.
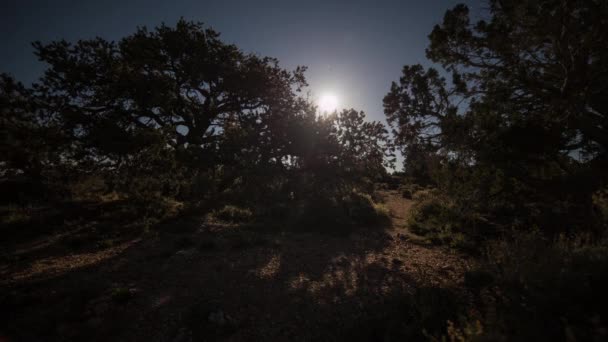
(525, 112)
(176, 111)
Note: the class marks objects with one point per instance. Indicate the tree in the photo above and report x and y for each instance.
(177, 86)
(175, 112)
(169, 102)
(366, 147)
(526, 111)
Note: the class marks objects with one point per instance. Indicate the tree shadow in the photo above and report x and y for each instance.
(222, 283)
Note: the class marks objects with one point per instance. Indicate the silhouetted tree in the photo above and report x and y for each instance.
(525, 115)
(180, 81)
(175, 112)
(31, 144)
(170, 89)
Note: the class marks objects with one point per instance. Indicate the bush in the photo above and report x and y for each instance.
(361, 209)
(431, 215)
(530, 288)
(233, 214)
(350, 210)
(409, 189)
(14, 215)
(525, 288)
(121, 295)
(436, 217)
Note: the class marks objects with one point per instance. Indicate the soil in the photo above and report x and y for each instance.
(220, 282)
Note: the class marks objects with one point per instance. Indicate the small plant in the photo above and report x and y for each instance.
(382, 211)
(362, 209)
(121, 295)
(13, 215)
(409, 189)
(233, 214)
(431, 215)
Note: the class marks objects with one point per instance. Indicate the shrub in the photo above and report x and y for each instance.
(531, 288)
(233, 214)
(14, 215)
(436, 217)
(333, 214)
(600, 203)
(363, 210)
(121, 295)
(382, 212)
(431, 214)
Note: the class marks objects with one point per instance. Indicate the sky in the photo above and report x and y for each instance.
(353, 49)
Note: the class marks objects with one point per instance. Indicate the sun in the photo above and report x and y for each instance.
(328, 103)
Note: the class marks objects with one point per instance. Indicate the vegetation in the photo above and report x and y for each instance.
(172, 152)
(514, 144)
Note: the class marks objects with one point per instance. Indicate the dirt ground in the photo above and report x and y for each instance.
(229, 283)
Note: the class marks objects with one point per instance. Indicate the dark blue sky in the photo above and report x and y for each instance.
(352, 48)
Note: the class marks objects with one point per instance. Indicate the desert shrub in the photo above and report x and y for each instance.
(362, 209)
(14, 215)
(526, 287)
(382, 212)
(418, 316)
(409, 189)
(532, 288)
(121, 295)
(436, 217)
(335, 213)
(600, 203)
(89, 188)
(431, 215)
(378, 196)
(320, 212)
(278, 212)
(232, 214)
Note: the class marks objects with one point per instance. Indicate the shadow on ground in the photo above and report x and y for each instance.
(196, 282)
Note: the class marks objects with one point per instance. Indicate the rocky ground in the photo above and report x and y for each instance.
(211, 282)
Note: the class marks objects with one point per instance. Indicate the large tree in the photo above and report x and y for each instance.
(175, 85)
(175, 111)
(526, 111)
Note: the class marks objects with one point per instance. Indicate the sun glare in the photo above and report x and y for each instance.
(328, 103)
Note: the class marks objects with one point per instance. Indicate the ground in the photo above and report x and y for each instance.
(195, 282)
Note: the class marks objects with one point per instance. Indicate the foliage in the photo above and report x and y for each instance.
(435, 217)
(352, 209)
(232, 214)
(539, 289)
(175, 114)
(519, 132)
(121, 295)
